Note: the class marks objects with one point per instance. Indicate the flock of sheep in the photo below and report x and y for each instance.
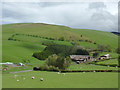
(41, 79)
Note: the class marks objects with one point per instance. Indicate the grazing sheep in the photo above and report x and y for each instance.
(116, 67)
(108, 66)
(15, 76)
(63, 74)
(94, 71)
(17, 80)
(41, 79)
(33, 77)
(58, 72)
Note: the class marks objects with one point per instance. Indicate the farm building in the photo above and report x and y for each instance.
(80, 58)
(106, 56)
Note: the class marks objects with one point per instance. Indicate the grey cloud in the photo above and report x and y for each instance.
(102, 18)
(75, 15)
(97, 5)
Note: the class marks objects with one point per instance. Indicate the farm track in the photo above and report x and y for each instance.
(22, 71)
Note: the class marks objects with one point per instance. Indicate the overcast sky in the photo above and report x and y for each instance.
(87, 15)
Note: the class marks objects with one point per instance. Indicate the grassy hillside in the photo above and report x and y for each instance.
(100, 37)
(17, 51)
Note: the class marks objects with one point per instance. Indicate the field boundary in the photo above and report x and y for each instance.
(37, 69)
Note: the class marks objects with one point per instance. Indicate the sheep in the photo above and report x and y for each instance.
(116, 67)
(58, 72)
(94, 71)
(41, 79)
(33, 77)
(17, 80)
(63, 74)
(15, 76)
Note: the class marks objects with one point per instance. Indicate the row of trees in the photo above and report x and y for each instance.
(61, 50)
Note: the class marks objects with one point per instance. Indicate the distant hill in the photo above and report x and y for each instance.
(116, 33)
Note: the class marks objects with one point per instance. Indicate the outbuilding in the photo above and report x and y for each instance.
(80, 58)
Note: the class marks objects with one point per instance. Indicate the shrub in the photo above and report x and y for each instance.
(82, 52)
(42, 55)
(58, 62)
(95, 54)
(106, 48)
(10, 38)
(62, 39)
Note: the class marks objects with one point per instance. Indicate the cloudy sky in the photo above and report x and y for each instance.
(87, 15)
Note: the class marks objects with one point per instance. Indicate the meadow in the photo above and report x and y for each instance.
(55, 80)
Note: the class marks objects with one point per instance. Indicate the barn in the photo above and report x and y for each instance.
(80, 58)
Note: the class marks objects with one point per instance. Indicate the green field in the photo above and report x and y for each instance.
(22, 48)
(54, 80)
(90, 67)
(109, 62)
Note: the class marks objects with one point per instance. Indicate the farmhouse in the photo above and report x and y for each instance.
(106, 56)
(80, 58)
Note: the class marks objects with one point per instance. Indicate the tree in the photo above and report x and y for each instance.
(82, 52)
(95, 54)
(118, 50)
(62, 39)
(58, 61)
(108, 48)
(101, 47)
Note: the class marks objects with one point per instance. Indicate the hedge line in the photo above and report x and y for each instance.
(38, 69)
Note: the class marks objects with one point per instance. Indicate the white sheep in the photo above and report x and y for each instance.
(17, 80)
(15, 76)
(94, 71)
(41, 79)
(63, 74)
(58, 72)
(33, 77)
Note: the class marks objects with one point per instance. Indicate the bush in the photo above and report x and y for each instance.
(42, 55)
(58, 62)
(81, 52)
(48, 43)
(10, 38)
(62, 39)
(95, 55)
(104, 48)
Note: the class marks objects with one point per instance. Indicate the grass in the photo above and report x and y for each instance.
(54, 80)
(90, 67)
(100, 37)
(14, 51)
(109, 62)
(55, 31)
